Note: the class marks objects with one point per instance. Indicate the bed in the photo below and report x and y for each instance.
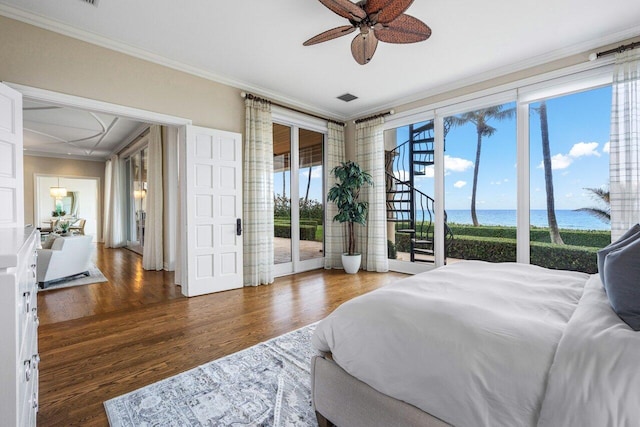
(478, 344)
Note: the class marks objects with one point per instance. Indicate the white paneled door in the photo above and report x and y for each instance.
(11, 178)
(212, 189)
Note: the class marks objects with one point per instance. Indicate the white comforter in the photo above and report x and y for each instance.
(595, 378)
(470, 343)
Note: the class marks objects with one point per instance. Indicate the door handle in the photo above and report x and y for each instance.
(239, 227)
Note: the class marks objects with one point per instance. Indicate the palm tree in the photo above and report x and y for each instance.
(480, 119)
(602, 195)
(554, 232)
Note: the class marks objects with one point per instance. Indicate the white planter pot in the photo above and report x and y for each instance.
(351, 263)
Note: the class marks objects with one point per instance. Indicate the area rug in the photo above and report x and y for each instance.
(265, 385)
(95, 276)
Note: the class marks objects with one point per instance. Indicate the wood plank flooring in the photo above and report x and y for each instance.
(103, 340)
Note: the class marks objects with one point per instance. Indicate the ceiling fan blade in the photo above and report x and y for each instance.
(363, 47)
(404, 29)
(387, 10)
(330, 35)
(346, 9)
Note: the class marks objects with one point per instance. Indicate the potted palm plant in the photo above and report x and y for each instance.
(351, 211)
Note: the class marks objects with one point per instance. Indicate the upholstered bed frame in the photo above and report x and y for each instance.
(341, 400)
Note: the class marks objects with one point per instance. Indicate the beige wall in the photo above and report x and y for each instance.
(59, 167)
(35, 57)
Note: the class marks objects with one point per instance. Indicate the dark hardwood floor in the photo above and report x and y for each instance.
(103, 340)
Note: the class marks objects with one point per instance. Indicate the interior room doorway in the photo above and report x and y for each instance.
(79, 201)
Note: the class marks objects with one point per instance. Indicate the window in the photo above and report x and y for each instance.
(504, 182)
(480, 183)
(569, 169)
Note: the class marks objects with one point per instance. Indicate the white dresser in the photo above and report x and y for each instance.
(19, 327)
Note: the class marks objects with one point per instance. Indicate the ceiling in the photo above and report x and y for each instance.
(66, 132)
(257, 45)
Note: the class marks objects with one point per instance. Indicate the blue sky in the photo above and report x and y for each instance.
(578, 134)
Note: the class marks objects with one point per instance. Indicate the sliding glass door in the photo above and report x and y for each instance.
(298, 198)
(136, 178)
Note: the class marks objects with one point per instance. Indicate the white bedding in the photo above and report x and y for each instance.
(477, 341)
(595, 377)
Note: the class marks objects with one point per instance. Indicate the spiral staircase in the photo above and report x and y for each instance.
(410, 209)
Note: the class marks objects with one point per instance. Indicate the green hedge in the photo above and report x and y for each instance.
(307, 232)
(590, 238)
(286, 221)
(564, 257)
(496, 249)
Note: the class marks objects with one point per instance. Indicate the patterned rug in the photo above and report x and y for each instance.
(95, 276)
(265, 385)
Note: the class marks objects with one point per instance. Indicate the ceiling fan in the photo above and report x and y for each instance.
(382, 20)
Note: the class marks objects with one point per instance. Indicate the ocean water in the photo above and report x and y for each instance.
(567, 219)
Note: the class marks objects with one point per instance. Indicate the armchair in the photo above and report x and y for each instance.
(68, 256)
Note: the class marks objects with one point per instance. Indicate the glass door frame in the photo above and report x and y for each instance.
(131, 224)
(296, 121)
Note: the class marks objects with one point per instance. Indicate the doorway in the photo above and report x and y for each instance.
(298, 192)
(177, 125)
(80, 202)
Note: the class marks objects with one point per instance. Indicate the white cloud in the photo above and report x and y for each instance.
(605, 148)
(429, 172)
(495, 182)
(402, 175)
(315, 173)
(565, 173)
(505, 180)
(460, 184)
(559, 161)
(456, 164)
(584, 149)
(568, 195)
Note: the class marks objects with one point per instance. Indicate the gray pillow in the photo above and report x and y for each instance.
(622, 282)
(631, 235)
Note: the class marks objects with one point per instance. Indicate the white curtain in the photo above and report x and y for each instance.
(114, 193)
(153, 249)
(333, 231)
(625, 143)
(370, 155)
(258, 194)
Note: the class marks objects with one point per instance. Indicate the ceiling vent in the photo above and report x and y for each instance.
(92, 2)
(347, 97)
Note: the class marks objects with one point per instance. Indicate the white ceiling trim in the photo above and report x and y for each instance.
(579, 48)
(86, 36)
(64, 156)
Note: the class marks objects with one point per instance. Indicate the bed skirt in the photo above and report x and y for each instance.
(342, 400)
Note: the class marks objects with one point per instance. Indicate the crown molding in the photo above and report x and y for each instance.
(34, 153)
(95, 39)
(535, 61)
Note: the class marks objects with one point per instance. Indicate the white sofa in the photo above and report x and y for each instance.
(68, 256)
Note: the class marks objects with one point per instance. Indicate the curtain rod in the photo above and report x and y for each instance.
(251, 96)
(375, 116)
(618, 49)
